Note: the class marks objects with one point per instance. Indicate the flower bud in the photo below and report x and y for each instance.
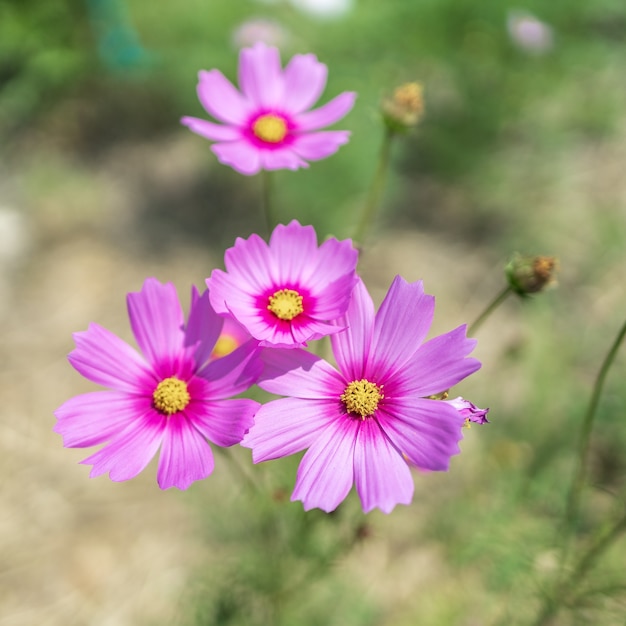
(405, 108)
(531, 274)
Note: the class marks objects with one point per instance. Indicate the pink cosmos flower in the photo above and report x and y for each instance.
(288, 292)
(170, 398)
(365, 423)
(469, 411)
(268, 125)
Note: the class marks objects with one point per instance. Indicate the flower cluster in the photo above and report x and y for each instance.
(365, 419)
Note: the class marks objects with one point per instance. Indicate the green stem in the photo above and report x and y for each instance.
(574, 495)
(495, 303)
(565, 587)
(376, 188)
(565, 591)
(266, 200)
(245, 477)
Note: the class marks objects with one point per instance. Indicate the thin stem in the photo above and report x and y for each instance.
(574, 495)
(566, 589)
(495, 303)
(246, 478)
(376, 188)
(266, 200)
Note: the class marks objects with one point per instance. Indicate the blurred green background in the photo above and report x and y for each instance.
(522, 148)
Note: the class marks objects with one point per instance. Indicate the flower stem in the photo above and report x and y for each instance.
(566, 586)
(236, 466)
(574, 495)
(376, 188)
(495, 303)
(565, 591)
(266, 200)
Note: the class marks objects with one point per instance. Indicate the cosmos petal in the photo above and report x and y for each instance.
(286, 426)
(241, 155)
(210, 130)
(427, 431)
(93, 418)
(185, 455)
(105, 359)
(223, 422)
(326, 473)
(327, 114)
(402, 323)
(381, 475)
(319, 145)
(157, 320)
(305, 79)
(439, 364)
(301, 374)
(130, 452)
(220, 99)
(352, 348)
(260, 75)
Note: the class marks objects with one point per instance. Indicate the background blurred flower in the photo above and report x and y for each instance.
(362, 424)
(254, 30)
(529, 33)
(172, 399)
(324, 8)
(232, 336)
(267, 125)
(288, 292)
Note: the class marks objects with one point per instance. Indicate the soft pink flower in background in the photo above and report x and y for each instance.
(261, 29)
(288, 292)
(529, 33)
(171, 398)
(268, 125)
(365, 423)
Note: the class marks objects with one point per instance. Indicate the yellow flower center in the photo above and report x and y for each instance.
(361, 397)
(286, 304)
(171, 396)
(270, 128)
(225, 345)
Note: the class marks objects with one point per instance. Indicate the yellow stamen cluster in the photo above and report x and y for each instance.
(285, 304)
(171, 396)
(361, 397)
(270, 128)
